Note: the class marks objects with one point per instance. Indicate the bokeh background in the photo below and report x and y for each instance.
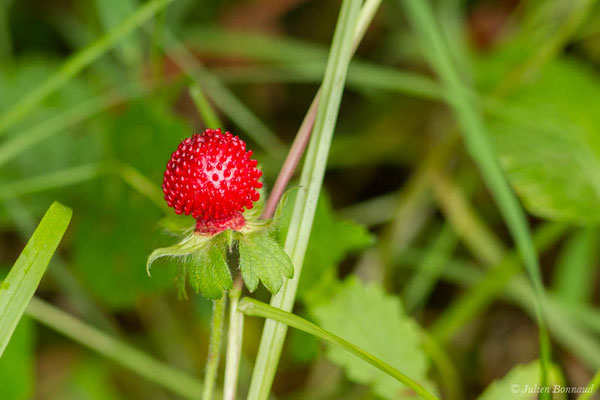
(405, 232)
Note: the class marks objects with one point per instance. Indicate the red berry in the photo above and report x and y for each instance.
(212, 177)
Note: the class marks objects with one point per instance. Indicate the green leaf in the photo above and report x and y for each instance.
(371, 319)
(553, 161)
(24, 277)
(17, 368)
(208, 271)
(262, 258)
(519, 382)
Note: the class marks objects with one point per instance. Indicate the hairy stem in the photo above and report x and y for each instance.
(234, 342)
(214, 347)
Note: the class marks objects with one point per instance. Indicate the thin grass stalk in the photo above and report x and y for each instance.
(477, 142)
(256, 308)
(77, 62)
(306, 200)
(114, 349)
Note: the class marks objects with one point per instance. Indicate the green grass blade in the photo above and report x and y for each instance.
(60, 122)
(114, 349)
(24, 277)
(479, 146)
(479, 296)
(206, 111)
(256, 308)
(306, 201)
(78, 62)
(52, 180)
(222, 97)
(418, 289)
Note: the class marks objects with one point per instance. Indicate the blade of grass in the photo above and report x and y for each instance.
(78, 62)
(222, 97)
(142, 184)
(52, 180)
(479, 147)
(311, 181)
(418, 289)
(567, 324)
(477, 236)
(64, 278)
(24, 277)
(449, 374)
(62, 121)
(208, 114)
(492, 284)
(114, 349)
(256, 308)
(566, 330)
(82, 173)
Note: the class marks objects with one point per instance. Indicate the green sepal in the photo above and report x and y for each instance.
(203, 262)
(262, 258)
(188, 246)
(208, 271)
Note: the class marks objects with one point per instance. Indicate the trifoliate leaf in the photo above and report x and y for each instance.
(373, 320)
(262, 258)
(208, 271)
(521, 383)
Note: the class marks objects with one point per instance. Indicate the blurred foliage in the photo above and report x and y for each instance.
(535, 67)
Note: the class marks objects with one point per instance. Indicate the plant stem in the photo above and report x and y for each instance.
(120, 352)
(306, 201)
(449, 375)
(222, 97)
(234, 342)
(292, 159)
(349, 30)
(214, 347)
(367, 13)
(256, 308)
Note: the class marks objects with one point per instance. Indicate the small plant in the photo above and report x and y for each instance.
(212, 177)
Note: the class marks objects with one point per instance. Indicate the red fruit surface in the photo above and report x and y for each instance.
(212, 177)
